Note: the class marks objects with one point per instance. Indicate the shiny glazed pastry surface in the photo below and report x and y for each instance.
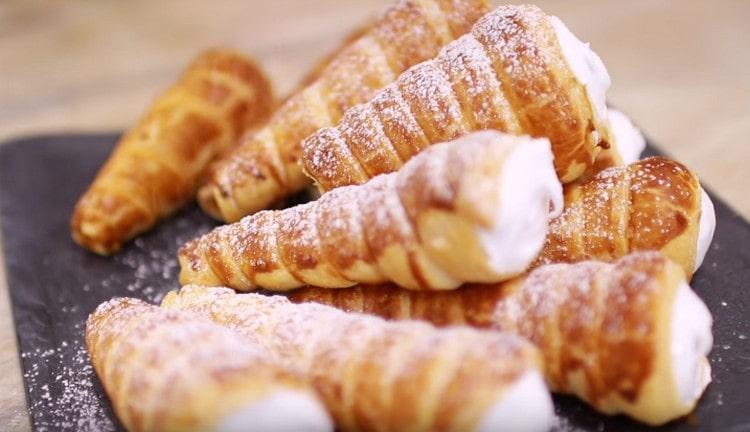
(651, 204)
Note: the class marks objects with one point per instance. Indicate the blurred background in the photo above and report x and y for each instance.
(680, 69)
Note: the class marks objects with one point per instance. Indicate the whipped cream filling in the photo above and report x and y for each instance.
(531, 196)
(690, 344)
(706, 228)
(587, 67)
(525, 407)
(629, 140)
(282, 411)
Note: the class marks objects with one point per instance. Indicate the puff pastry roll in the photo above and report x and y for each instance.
(156, 166)
(518, 71)
(395, 376)
(265, 167)
(628, 337)
(176, 371)
(487, 195)
(652, 204)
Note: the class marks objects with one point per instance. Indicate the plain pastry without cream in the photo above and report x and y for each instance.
(156, 166)
(472, 210)
(395, 376)
(518, 71)
(653, 204)
(265, 167)
(176, 371)
(629, 337)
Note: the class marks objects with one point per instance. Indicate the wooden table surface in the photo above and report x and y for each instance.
(680, 69)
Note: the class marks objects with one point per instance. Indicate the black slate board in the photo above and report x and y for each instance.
(54, 285)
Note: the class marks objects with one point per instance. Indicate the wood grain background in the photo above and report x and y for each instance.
(680, 69)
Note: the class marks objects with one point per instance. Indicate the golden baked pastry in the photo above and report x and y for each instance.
(628, 337)
(518, 70)
(472, 210)
(653, 204)
(395, 376)
(265, 167)
(176, 371)
(156, 166)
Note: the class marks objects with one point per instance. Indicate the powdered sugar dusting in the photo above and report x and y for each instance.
(459, 177)
(429, 93)
(334, 349)
(621, 209)
(467, 64)
(330, 161)
(72, 389)
(423, 107)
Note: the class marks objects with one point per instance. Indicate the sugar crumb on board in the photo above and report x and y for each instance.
(63, 391)
(69, 398)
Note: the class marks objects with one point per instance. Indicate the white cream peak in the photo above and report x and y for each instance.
(587, 67)
(691, 341)
(282, 411)
(531, 196)
(706, 228)
(525, 407)
(629, 140)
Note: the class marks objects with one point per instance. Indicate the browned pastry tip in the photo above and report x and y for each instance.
(652, 204)
(155, 167)
(509, 73)
(265, 167)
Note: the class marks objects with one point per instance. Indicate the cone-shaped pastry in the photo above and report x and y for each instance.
(519, 71)
(177, 371)
(265, 167)
(396, 376)
(156, 167)
(487, 195)
(652, 204)
(629, 337)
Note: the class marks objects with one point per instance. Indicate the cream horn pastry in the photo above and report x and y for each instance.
(627, 337)
(518, 70)
(488, 195)
(395, 376)
(156, 166)
(176, 371)
(265, 167)
(653, 204)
